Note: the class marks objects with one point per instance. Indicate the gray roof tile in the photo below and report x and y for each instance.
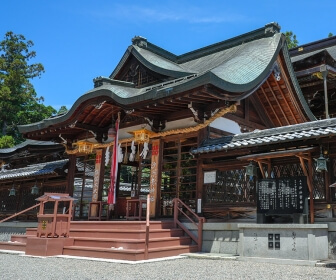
(33, 170)
(283, 134)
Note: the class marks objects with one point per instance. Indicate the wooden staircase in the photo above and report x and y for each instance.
(122, 240)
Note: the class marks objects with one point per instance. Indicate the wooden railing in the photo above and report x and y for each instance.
(179, 207)
(19, 213)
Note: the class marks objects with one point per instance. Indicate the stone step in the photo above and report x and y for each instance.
(127, 254)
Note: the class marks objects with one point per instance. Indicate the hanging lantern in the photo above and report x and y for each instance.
(251, 169)
(12, 191)
(142, 135)
(85, 147)
(35, 190)
(321, 163)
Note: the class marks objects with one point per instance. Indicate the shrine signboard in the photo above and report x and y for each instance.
(282, 196)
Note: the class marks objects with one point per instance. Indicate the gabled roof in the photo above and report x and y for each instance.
(292, 133)
(250, 54)
(225, 72)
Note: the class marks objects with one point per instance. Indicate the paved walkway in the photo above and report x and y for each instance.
(198, 266)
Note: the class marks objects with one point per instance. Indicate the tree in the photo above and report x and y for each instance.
(6, 141)
(330, 35)
(63, 110)
(19, 103)
(292, 42)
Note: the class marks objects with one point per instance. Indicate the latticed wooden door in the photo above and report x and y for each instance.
(178, 174)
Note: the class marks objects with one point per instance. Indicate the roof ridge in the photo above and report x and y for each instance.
(267, 31)
(313, 46)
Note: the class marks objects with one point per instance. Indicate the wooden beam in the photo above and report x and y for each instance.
(278, 154)
(261, 169)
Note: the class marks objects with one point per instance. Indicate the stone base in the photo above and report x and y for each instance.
(284, 241)
(47, 246)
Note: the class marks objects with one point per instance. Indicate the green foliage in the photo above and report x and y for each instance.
(19, 103)
(330, 35)
(62, 110)
(6, 142)
(292, 42)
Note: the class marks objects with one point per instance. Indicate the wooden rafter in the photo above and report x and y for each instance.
(270, 105)
(285, 100)
(277, 102)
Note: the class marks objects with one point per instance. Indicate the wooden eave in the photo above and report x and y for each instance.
(303, 152)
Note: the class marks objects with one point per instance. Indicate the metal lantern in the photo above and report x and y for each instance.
(141, 135)
(251, 169)
(321, 163)
(85, 147)
(35, 190)
(12, 191)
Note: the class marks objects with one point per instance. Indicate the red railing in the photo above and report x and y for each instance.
(179, 207)
(17, 214)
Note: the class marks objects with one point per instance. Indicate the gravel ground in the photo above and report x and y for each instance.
(25, 267)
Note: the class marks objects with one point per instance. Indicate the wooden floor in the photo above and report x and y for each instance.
(122, 240)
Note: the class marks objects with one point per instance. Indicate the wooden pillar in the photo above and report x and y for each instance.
(199, 185)
(309, 174)
(97, 181)
(155, 177)
(101, 175)
(311, 193)
(71, 175)
(202, 134)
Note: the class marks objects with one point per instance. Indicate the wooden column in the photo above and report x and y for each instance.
(154, 177)
(309, 174)
(202, 134)
(101, 175)
(97, 174)
(71, 174)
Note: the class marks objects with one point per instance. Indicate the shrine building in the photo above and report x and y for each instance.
(239, 131)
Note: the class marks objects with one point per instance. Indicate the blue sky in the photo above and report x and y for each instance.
(77, 41)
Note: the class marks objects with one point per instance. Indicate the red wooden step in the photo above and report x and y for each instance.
(131, 243)
(120, 224)
(123, 240)
(13, 246)
(123, 233)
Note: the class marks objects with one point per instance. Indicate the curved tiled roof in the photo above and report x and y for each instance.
(237, 67)
(26, 144)
(298, 132)
(33, 170)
